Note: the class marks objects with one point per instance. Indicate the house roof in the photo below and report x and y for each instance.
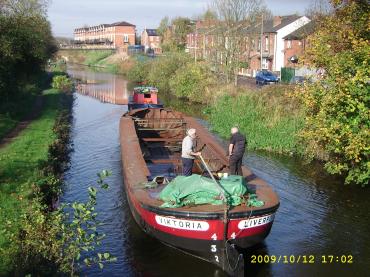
(301, 32)
(121, 23)
(151, 32)
(268, 25)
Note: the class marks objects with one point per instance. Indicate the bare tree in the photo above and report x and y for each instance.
(318, 9)
(24, 7)
(234, 16)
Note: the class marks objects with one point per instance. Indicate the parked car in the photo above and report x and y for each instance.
(265, 77)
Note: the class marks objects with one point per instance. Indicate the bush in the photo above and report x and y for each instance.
(139, 72)
(175, 73)
(62, 83)
(163, 68)
(192, 81)
(337, 106)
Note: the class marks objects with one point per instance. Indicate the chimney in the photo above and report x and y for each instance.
(277, 20)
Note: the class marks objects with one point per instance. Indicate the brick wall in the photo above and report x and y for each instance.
(292, 48)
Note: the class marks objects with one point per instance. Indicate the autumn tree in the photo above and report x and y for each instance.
(338, 104)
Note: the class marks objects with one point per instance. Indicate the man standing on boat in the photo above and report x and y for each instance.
(236, 151)
(188, 154)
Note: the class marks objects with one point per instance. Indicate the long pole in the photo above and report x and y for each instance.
(213, 178)
(261, 40)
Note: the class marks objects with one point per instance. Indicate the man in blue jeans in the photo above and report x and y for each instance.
(188, 155)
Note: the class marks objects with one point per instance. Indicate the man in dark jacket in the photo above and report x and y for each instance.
(236, 151)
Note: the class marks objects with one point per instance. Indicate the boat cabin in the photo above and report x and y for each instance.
(144, 97)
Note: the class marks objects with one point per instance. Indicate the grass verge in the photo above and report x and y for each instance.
(269, 118)
(13, 112)
(20, 169)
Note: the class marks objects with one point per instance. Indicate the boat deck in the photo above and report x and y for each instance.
(151, 146)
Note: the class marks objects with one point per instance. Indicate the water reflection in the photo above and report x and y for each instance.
(106, 87)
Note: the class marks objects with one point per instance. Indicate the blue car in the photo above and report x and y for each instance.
(265, 77)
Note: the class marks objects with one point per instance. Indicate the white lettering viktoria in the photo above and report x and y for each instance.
(182, 224)
(256, 221)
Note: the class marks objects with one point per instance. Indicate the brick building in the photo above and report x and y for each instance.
(151, 41)
(117, 34)
(295, 44)
(201, 43)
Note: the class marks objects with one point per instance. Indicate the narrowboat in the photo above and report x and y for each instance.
(144, 97)
(151, 142)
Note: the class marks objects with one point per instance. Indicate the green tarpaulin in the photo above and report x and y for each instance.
(197, 190)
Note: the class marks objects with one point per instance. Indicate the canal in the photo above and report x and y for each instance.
(318, 215)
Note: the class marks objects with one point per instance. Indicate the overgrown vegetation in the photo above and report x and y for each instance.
(57, 242)
(337, 125)
(36, 238)
(62, 83)
(269, 118)
(175, 73)
(19, 170)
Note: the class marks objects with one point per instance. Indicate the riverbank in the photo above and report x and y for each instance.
(269, 116)
(102, 60)
(32, 162)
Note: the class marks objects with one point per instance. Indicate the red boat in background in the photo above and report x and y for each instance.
(151, 146)
(144, 97)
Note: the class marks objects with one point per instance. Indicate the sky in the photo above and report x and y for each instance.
(66, 15)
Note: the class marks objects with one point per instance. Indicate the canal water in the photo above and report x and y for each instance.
(318, 215)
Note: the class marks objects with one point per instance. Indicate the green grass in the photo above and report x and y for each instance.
(6, 124)
(14, 111)
(19, 168)
(93, 57)
(269, 118)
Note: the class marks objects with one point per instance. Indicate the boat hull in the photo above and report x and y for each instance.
(215, 233)
(134, 106)
(203, 236)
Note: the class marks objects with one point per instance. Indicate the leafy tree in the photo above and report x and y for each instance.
(338, 105)
(174, 34)
(139, 72)
(163, 26)
(192, 81)
(162, 68)
(26, 43)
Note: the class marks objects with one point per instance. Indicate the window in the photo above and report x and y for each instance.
(265, 63)
(289, 44)
(125, 38)
(266, 43)
(259, 44)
